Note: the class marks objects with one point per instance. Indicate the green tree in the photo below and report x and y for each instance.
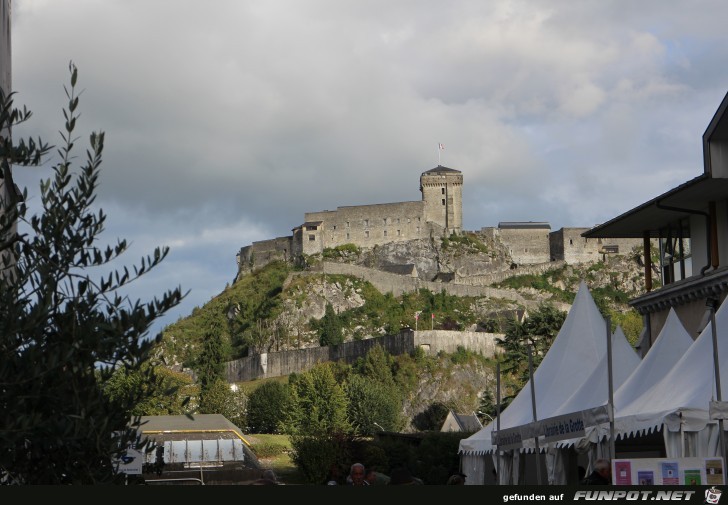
(319, 403)
(219, 398)
(330, 332)
(210, 366)
(165, 392)
(488, 408)
(373, 406)
(432, 417)
(266, 406)
(317, 421)
(538, 331)
(63, 333)
(377, 365)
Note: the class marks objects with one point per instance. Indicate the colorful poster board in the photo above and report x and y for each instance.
(668, 471)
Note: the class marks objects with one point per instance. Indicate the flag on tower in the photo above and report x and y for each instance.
(441, 146)
(433, 316)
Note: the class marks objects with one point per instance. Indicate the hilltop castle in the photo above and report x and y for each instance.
(438, 214)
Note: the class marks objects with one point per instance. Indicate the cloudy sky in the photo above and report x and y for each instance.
(227, 120)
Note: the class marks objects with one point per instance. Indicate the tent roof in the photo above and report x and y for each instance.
(574, 353)
(595, 390)
(683, 395)
(671, 344)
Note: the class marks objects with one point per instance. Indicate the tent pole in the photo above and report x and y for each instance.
(497, 421)
(535, 418)
(712, 303)
(612, 453)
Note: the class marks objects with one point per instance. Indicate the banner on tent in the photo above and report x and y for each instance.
(511, 438)
(552, 429)
(562, 427)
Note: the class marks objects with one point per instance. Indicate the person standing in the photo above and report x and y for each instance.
(601, 475)
(357, 474)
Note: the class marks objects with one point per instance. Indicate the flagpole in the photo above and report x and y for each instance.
(439, 151)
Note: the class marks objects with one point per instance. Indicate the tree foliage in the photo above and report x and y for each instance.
(219, 398)
(373, 406)
(537, 331)
(377, 365)
(319, 403)
(210, 366)
(330, 327)
(64, 332)
(164, 391)
(266, 405)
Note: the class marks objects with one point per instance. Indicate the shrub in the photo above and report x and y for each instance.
(265, 404)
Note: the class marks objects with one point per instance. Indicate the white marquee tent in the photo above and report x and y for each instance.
(576, 351)
(672, 387)
(680, 401)
(594, 392)
(671, 344)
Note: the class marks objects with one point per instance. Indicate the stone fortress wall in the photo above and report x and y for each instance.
(567, 244)
(365, 226)
(277, 364)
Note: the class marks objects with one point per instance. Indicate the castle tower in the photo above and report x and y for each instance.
(442, 194)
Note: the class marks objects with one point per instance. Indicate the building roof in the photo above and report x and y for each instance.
(201, 425)
(439, 169)
(197, 439)
(468, 423)
(717, 130)
(656, 215)
(524, 224)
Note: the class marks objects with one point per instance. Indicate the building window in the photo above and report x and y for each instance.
(385, 233)
(366, 233)
(347, 224)
(334, 227)
(419, 219)
(399, 233)
(312, 227)
(443, 201)
(418, 229)
(443, 191)
(385, 221)
(571, 242)
(409, 220)
(347, 235)
(397, 220)
(366, 222)
(312, 238)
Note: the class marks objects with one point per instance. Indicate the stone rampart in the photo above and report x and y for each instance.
(399, 284)
(526, 246)
(491, 278)
(277, 364)
(568, 245)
